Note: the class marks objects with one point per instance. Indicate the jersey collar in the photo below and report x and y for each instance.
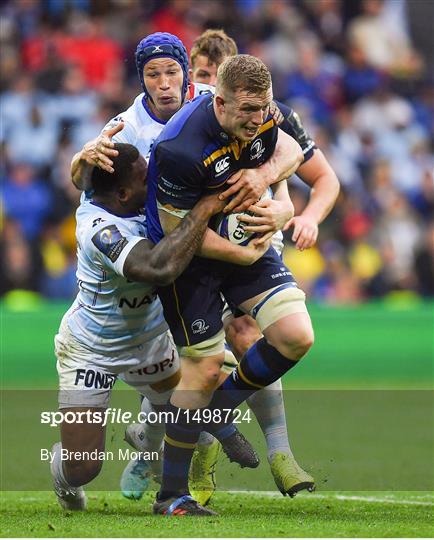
(133, 214)
(150, 113)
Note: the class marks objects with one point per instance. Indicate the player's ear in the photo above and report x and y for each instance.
(190, 74)
(124, 194)
(220, 103)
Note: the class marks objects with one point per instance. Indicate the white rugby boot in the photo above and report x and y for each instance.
(135, 436)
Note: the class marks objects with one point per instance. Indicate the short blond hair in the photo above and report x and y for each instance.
(243, 72)
(216, 45)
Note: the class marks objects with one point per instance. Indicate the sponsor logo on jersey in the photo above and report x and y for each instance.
(96, 221)
(137, 301)
(256, 149)
(199, 326)
(110, 242)
(167, 363)
(94, 379)
(222, 165)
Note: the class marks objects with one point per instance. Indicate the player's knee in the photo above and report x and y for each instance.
(242, 337)
(301, 345)
(79, 473)
(241, 343)
(210, 377)
(293, 345)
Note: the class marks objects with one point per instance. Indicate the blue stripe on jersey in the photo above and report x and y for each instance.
(272, 293)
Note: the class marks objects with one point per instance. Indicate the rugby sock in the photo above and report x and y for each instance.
(152, 432)
(180, 441)
(205, 439)
(57, 468)
(269, 409)
(260, 366)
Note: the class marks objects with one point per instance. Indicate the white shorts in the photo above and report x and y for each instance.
(86, 378)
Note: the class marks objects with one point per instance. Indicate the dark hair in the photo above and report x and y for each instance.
(216, 45)
(104, 182)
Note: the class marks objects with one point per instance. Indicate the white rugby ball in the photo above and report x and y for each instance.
(233, 230)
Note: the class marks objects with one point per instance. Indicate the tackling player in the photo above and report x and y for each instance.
(187, 161)
(115, 327)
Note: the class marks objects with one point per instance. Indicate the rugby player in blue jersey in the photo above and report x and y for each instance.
(99, 339)
(205, 143)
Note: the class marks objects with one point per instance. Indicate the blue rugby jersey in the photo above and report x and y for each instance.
(193, 156)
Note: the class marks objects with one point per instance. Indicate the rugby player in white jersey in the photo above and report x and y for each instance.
(115, 328)
(162, 70)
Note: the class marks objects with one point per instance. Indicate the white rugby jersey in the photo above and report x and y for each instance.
(141, 126)
(111, 312)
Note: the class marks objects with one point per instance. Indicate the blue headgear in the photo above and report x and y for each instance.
(161, 45)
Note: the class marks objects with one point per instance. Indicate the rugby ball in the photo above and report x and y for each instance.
(228, 226)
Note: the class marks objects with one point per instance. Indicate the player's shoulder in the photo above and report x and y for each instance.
(198, 89)
(135, 118)
(293, 125)
(92, 218)
(185, 133)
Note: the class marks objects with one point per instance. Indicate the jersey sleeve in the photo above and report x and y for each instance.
(293, 126)
(180, 180)
(127, 135)
(110, 242)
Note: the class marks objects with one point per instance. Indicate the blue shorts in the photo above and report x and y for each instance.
(193, 304)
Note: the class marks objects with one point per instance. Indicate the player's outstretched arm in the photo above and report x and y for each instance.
(95, 153)
(249, 185)
(163, 263)
(318, 174)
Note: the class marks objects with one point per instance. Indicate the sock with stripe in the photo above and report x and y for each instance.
(260, 366)
(179, 444)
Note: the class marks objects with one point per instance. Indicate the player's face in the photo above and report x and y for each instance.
(137, 187)
(203, 71)
(244, 113)
(163, 79)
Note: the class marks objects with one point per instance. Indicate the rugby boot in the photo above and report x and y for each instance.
(289, 477)
(238, 449)
(135, 436)
(181, 506)
(135, 479)
(201, 478)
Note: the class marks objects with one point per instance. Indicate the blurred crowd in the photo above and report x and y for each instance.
(360, 74)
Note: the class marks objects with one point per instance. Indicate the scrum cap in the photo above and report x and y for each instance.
(162, 45)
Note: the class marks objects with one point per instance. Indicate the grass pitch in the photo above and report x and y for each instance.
(326, 514)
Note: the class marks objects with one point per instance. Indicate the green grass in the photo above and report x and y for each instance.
(393, 514)
(366, 439)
